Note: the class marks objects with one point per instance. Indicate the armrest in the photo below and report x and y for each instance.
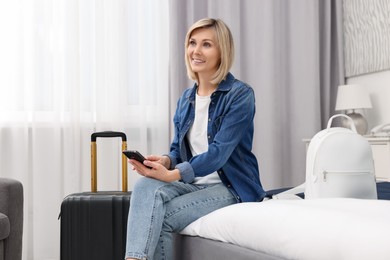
(11, 205)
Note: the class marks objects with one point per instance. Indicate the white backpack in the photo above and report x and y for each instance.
(339, 164)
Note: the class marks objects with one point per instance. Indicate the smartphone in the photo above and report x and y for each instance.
(135, 155)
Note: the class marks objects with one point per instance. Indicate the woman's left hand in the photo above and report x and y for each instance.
(157, 171)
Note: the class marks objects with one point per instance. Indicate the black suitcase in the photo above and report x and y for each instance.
(93, 224)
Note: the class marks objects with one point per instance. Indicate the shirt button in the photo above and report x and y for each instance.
(208, 137)
(209, 119)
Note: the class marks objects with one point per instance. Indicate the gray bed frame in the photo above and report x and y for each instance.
(195, 248)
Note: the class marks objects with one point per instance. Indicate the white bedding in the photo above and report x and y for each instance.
(303, 229)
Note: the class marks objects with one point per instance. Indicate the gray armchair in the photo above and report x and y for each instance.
(11, 219)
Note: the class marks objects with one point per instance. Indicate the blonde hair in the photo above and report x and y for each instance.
(225, 44)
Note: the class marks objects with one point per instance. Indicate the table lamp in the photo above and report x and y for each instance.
(350, 98)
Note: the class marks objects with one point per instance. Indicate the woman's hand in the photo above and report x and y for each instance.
(163, 160)
(157, 171)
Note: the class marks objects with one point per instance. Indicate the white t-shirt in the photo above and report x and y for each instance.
(197, 136)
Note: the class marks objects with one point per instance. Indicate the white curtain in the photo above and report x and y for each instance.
(69, 68)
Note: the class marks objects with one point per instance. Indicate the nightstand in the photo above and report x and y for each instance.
(380, 151)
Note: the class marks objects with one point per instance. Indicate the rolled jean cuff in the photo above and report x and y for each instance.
(186, 172)
(173, 161)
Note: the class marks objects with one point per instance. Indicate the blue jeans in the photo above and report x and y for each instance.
(157, 209)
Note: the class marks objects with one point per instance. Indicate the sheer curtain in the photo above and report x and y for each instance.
(67, 69)
(291, 53)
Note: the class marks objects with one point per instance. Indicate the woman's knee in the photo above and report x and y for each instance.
(146, 183)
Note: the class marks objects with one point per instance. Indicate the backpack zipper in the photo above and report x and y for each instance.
(325, 173)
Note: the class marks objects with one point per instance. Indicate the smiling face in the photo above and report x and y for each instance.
(203, 52)
(208, 50)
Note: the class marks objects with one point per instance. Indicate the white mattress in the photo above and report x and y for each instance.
(303, 229)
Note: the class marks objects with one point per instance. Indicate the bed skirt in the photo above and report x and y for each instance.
(195, 248)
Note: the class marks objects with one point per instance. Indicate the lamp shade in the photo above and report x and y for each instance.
(352, 97)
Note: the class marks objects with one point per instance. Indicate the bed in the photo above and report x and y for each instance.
(292, 229)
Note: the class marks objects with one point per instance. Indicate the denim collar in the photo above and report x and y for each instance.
(224, 86)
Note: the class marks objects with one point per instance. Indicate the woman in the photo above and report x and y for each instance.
(210, 164)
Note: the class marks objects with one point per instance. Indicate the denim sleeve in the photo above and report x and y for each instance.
(186, 172)
(173, 161)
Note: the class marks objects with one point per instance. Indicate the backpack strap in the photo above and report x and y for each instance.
(290, 193)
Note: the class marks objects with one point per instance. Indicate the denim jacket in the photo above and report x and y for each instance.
(230, 136)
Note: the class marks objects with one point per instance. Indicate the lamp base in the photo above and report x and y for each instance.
(359, 121)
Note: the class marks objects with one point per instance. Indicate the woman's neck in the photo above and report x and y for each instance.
(205, 87)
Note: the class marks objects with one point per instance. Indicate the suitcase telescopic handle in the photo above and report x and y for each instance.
(107, 134)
